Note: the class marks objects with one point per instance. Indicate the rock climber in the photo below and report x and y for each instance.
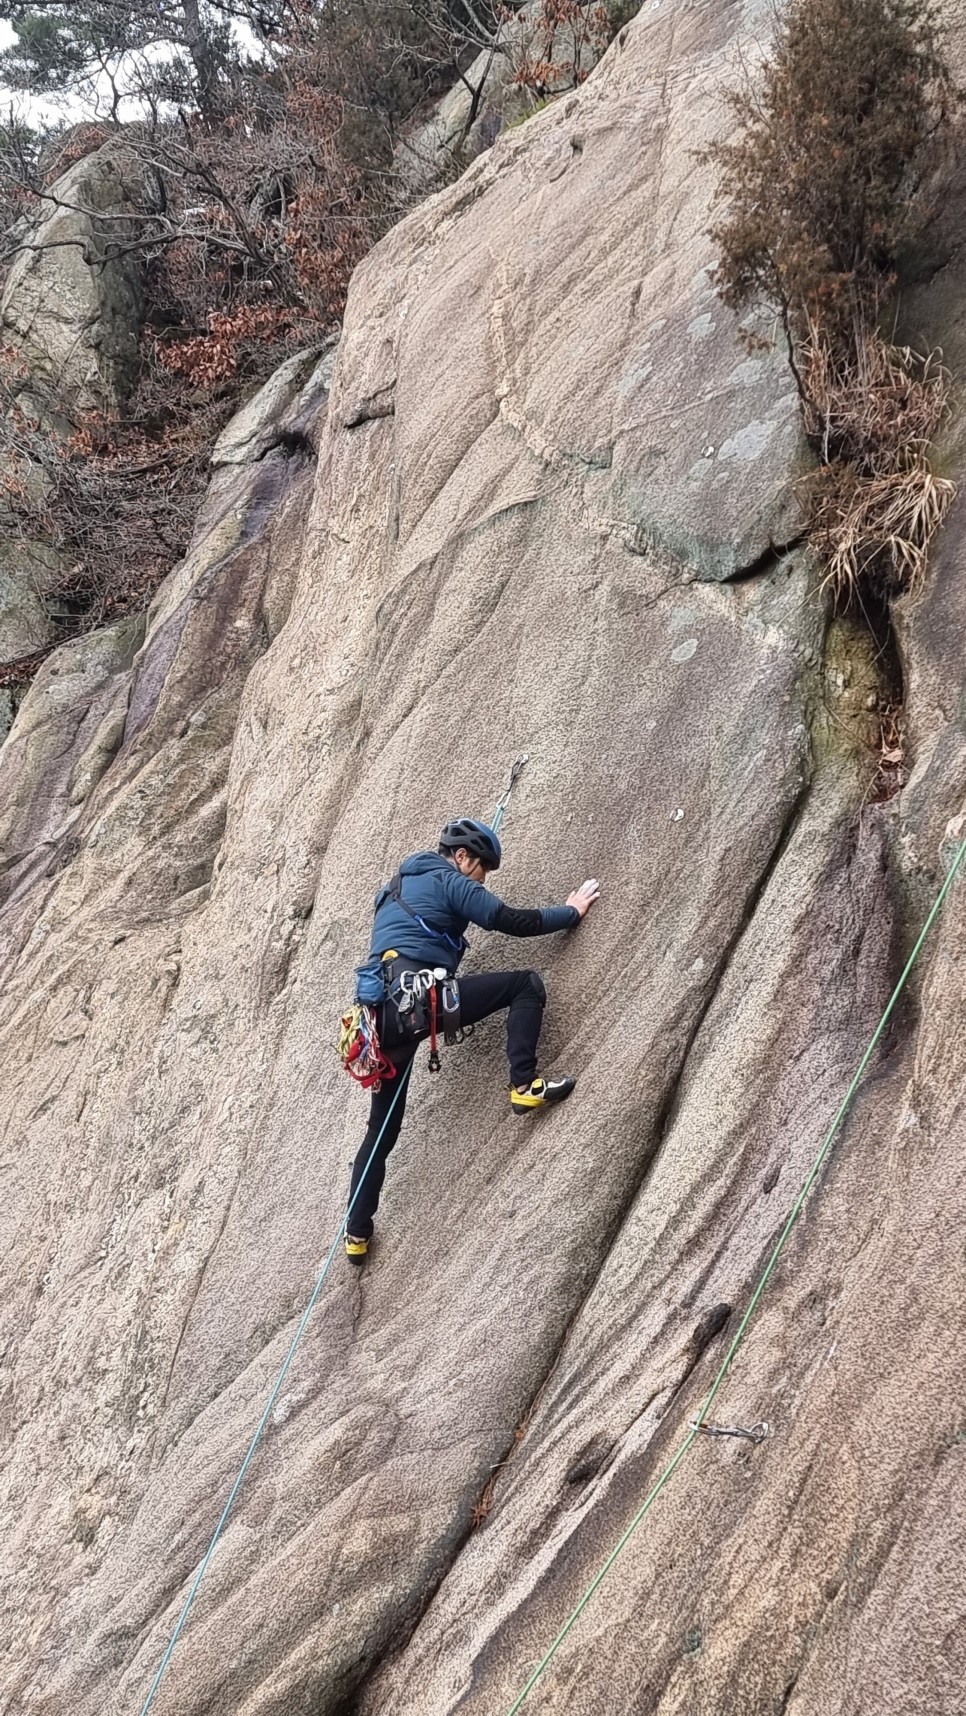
(419, 924)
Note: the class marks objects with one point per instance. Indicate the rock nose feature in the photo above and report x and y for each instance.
(543, 503)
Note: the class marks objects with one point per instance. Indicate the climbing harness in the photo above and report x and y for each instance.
(253, 1444)
(756, 1434)
(410, 1007)
(503, 801)
(359, 1048)
(696, 1425)
(424, 999)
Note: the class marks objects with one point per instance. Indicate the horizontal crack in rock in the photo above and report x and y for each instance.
(768, 561)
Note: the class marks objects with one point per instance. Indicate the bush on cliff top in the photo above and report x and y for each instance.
(826, 186)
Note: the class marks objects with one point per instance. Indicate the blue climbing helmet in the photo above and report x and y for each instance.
(476, 837)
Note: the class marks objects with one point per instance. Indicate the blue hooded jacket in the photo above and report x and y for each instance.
(447, 902)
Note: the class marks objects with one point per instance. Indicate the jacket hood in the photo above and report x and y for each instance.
(420, 863)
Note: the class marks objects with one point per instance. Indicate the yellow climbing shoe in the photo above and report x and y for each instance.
(542, 1093)
(356, 1250)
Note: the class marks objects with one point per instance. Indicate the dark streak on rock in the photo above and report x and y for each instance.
(590, 1460)
(711, 1324)
(292, 443)
(786, 1695)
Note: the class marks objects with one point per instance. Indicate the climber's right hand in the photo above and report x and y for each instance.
(584, 896)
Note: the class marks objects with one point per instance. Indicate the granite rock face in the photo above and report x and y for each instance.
(547, 505)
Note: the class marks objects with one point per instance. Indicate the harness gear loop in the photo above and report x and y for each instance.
(450, 1001)
(504, 799)
(434, 1061)
(756, 1434)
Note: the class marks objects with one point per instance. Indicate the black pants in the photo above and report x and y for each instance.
(523, 992)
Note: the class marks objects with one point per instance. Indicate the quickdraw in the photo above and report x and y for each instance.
(503, 802)
(756, 1434)
(359, 1049)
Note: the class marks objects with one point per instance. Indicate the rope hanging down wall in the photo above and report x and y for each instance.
(697, 1424)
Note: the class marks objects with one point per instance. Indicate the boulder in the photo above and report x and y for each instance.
(68, 313)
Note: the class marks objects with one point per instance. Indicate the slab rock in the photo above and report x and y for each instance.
(551, 511)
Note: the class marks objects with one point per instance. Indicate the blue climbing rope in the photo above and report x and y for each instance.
(253, 1444)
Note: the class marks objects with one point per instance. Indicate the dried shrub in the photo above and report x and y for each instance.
(563, 38)
(874, 503)
(66, 149)
(262, 186)
(826, 184)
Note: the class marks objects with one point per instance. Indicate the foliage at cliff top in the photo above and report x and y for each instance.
(263, 135)
(826, 183)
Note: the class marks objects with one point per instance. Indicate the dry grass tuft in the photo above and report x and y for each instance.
(874, 505)
(868, 398)
(876, 531)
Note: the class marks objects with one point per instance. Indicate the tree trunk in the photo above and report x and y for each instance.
(204, 57)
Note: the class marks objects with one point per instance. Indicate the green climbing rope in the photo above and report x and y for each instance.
(739, 1336)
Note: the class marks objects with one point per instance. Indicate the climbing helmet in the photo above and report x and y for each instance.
(476, 837)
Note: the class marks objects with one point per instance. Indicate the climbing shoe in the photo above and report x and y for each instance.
(542, 1093)
(356, 1250)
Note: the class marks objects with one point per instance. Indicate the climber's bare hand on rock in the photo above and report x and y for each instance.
(584, 896)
